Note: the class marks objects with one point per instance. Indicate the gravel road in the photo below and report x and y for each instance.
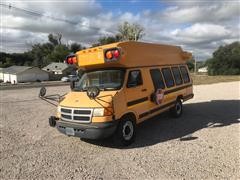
(203, 144)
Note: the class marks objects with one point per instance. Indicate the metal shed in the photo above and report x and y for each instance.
(17, 74)
(1, 74)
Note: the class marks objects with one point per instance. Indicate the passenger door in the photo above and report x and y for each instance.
(136, 92)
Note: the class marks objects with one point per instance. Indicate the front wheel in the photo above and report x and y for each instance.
(52, 121)
(125, 134)
(177, 110)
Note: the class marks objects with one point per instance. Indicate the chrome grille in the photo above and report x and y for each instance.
(76, 114)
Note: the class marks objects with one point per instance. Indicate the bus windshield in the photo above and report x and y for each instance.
(103, 79)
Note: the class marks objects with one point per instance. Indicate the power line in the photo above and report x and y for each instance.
(38, 14)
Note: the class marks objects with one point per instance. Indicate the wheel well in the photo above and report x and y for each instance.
(180, 97)
(131, 115)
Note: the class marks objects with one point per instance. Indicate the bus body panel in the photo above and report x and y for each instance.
(137, 59)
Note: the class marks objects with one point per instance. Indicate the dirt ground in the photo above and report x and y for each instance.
(205, 79)
(203, 144)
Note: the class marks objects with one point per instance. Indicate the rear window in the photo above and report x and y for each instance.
(177, 75)
(157, 79)
(185, 74)
(168, 77)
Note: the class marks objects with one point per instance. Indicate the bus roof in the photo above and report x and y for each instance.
(132, 54)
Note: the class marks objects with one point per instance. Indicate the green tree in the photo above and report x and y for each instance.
(52, 39)
(55, 39)
(59, 53)
(74, 47)
(8, 62)
(225, 60)
(5, 60)
(190, 64)
(107, 40)
(126, 32)
(130, 32)
(40, 52)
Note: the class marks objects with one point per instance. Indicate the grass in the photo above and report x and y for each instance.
(205, 79)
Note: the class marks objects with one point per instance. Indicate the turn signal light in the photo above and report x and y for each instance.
(72, 59)
(109, 55)
(112, 54)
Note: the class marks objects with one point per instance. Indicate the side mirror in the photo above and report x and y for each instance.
(93, 92)
(42, 92)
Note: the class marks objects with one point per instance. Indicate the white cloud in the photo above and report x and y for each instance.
(60, 8)
(199, 27)
(197, 11)
(202, 32)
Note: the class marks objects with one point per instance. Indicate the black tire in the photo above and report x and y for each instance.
(52, 121)
(177, 110)
(126, 131)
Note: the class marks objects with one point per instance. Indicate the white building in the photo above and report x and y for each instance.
(58, 68)
(203, 69)
(1, 74)
(17, 74)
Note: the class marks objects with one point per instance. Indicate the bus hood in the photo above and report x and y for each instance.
(81, 100)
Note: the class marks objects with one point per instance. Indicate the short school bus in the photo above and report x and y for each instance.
(122, 85)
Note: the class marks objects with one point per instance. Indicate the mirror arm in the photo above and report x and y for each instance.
(48, 101)
(98, 98)
(48, 98)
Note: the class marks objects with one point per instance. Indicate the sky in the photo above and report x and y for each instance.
(198, 26)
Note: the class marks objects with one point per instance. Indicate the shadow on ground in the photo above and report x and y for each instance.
(196, 116)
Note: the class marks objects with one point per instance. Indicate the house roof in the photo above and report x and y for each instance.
(203, 67)
(56, 67)
(15, 69)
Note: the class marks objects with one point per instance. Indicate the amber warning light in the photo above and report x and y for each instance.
(71, 59)
(112, 54)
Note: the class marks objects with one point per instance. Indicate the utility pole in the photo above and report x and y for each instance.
(195, 65)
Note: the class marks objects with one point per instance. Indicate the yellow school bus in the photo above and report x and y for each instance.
(122, 85)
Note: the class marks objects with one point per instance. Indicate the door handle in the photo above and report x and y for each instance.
(144, 90)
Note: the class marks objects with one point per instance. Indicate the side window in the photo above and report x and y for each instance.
(185, 74)
(177, 75)
(134, 78)
(157, 79)
(168, 77)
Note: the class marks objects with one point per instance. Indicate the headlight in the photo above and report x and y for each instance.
(98, 112)
(59, 109)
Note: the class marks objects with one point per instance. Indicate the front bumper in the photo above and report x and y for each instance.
(88, 131)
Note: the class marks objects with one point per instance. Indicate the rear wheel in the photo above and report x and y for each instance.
(177, 110)
(125, 133)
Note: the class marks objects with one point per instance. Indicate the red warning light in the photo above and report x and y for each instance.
(116, 53)
(112, 54)
(72, 59)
